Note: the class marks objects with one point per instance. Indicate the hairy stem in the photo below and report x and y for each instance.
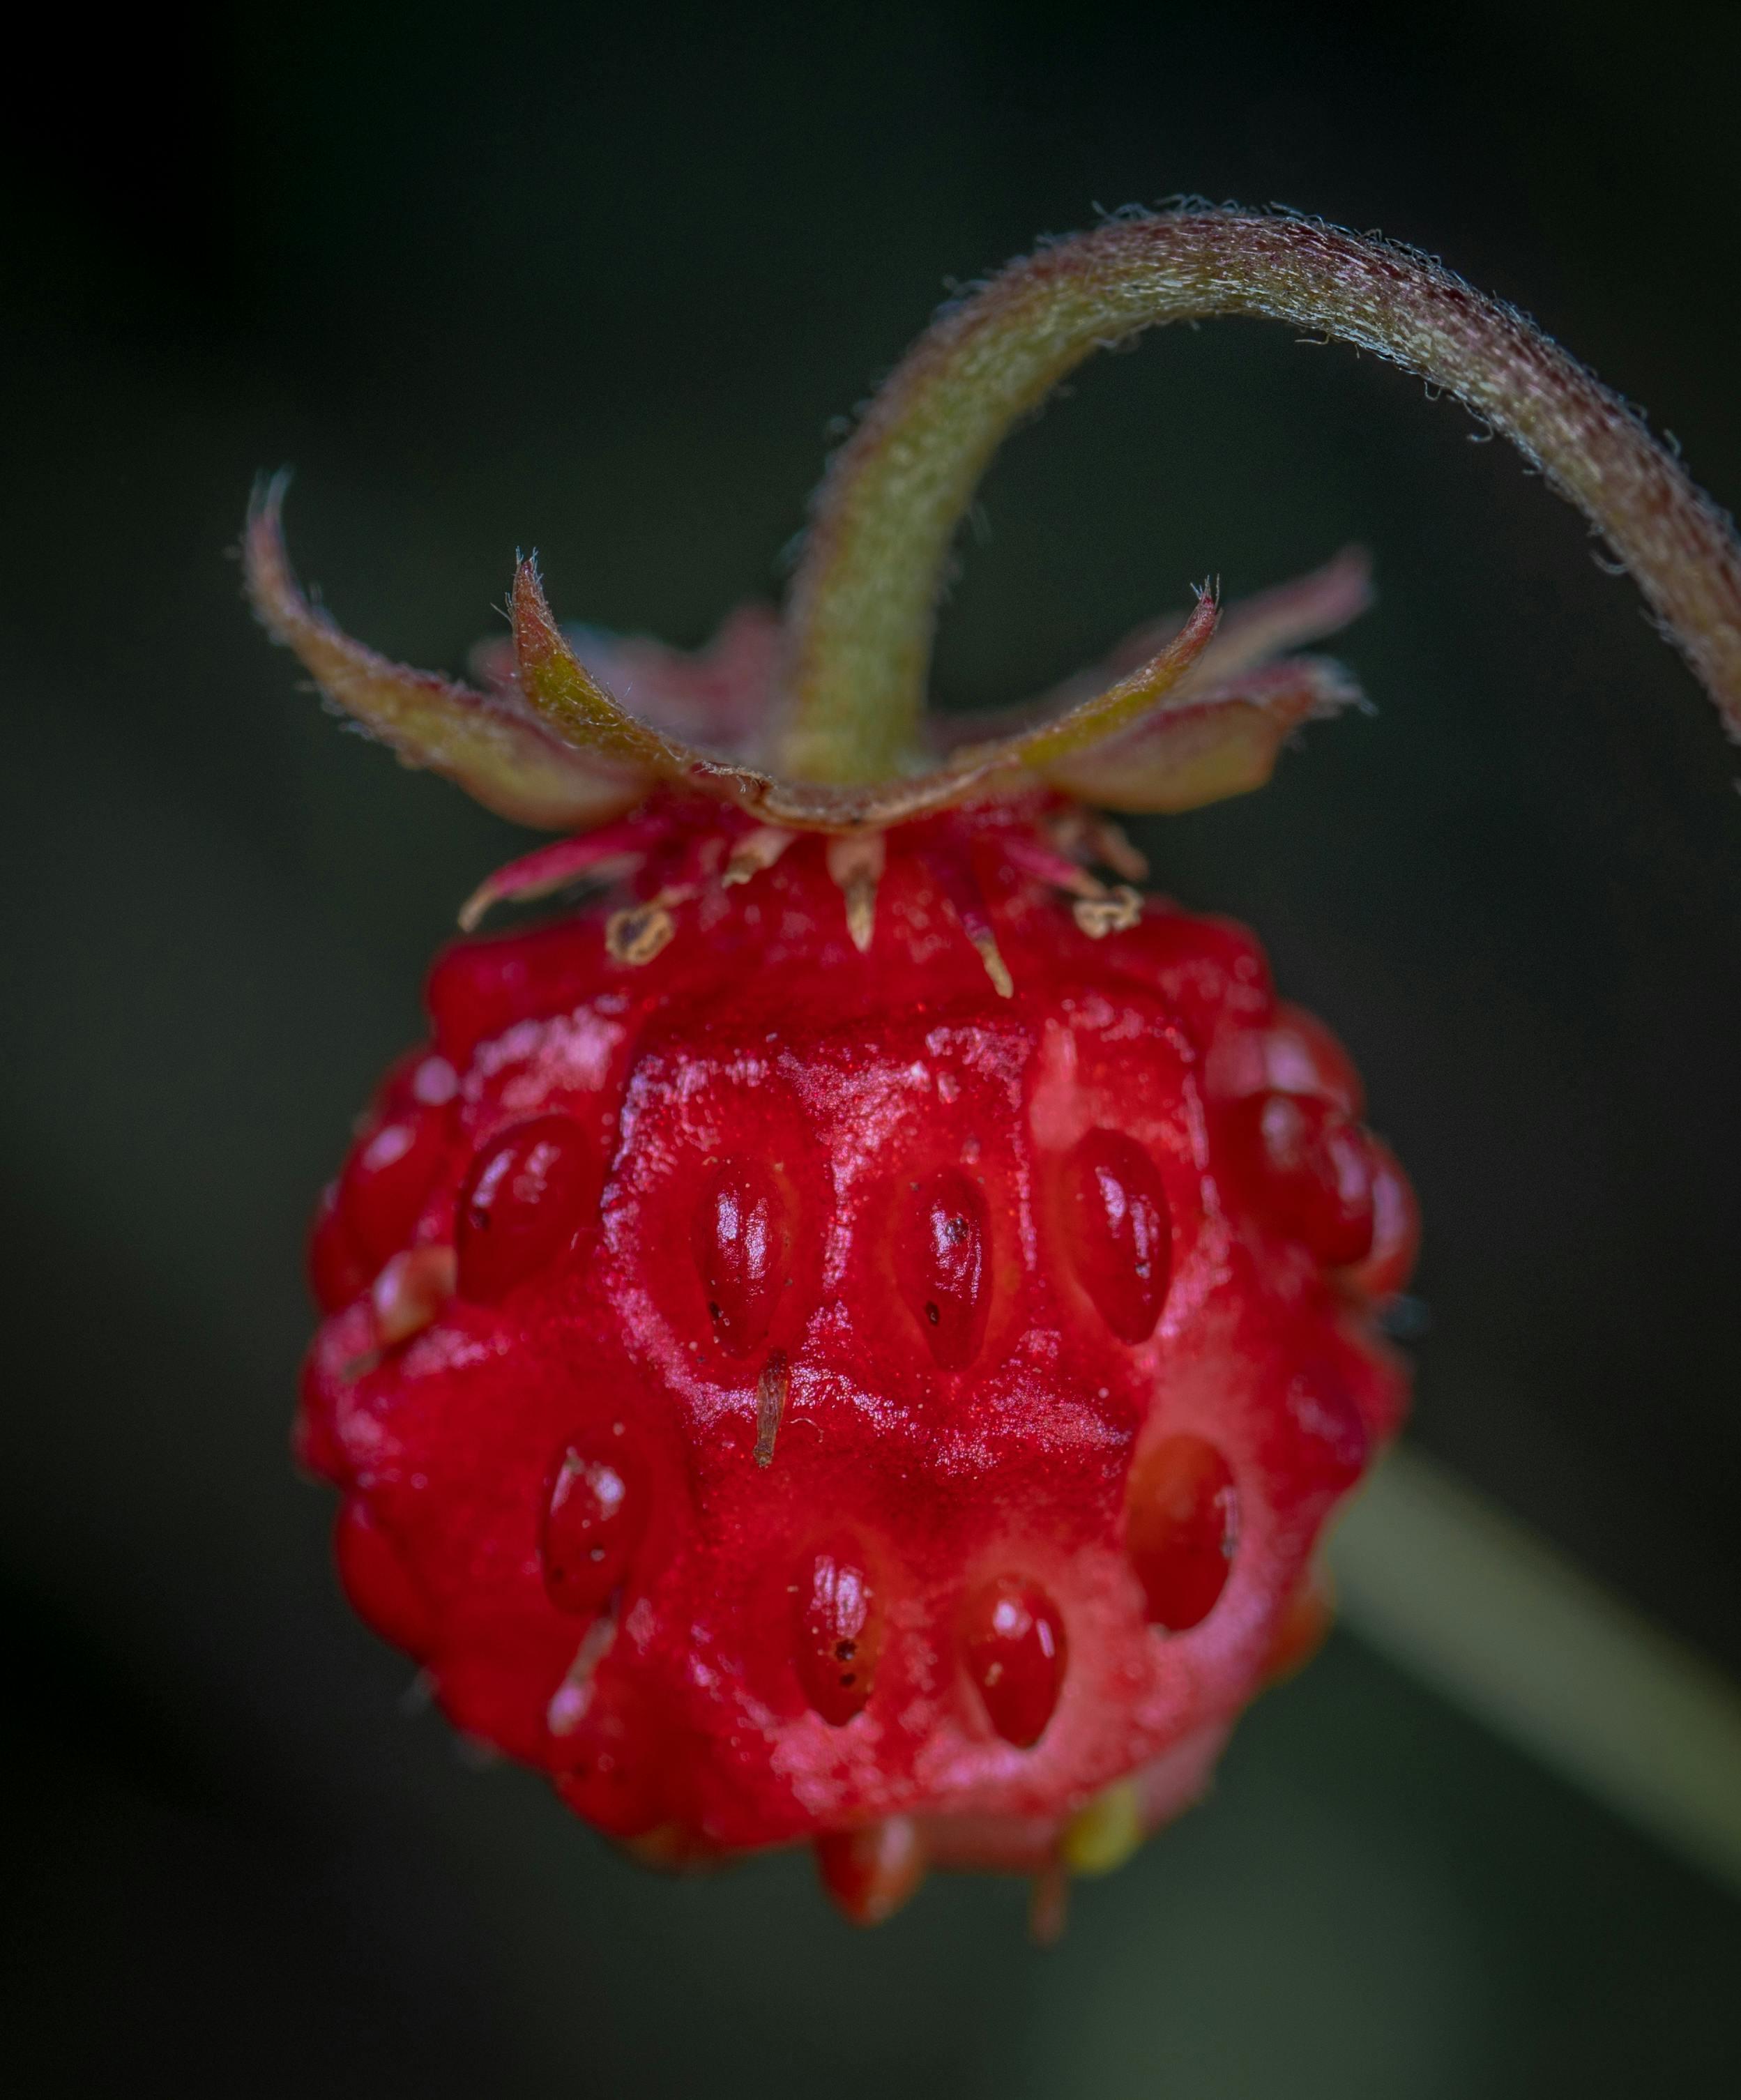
(864, 598)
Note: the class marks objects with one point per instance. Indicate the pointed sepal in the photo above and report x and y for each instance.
(1121, 708)
(1210, 743)
(1181, 712)
(570, 701)
(497, 753)
(1220, 728)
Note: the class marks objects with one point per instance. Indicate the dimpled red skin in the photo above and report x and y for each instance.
(673, 1709)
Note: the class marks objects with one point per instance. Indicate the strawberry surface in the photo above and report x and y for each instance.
(786, 1392)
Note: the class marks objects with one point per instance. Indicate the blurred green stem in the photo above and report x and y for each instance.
(1444, 1584)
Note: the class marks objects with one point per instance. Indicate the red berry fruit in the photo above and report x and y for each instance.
(1064, 1389)
(853, 1335)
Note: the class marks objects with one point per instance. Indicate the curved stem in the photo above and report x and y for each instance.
(863, 602)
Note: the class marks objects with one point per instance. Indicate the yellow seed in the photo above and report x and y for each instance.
(1102, 1836)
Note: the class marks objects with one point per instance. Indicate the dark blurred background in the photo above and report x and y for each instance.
(597, 279)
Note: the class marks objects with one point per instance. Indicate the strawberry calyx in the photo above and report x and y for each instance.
(827, 730)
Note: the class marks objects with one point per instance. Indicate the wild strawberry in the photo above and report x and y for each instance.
(854, 1337)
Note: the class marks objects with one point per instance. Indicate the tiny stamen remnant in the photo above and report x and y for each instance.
(643, 931)
(1116, 913)
(996, 969)
(754, 854)
(855, 865)
(1109, 845)
(1057, 867)
(953, 875)
(771, 1389)
(602, 857)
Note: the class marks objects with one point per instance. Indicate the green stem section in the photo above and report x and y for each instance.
(864, 599)
(1456, 1591)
